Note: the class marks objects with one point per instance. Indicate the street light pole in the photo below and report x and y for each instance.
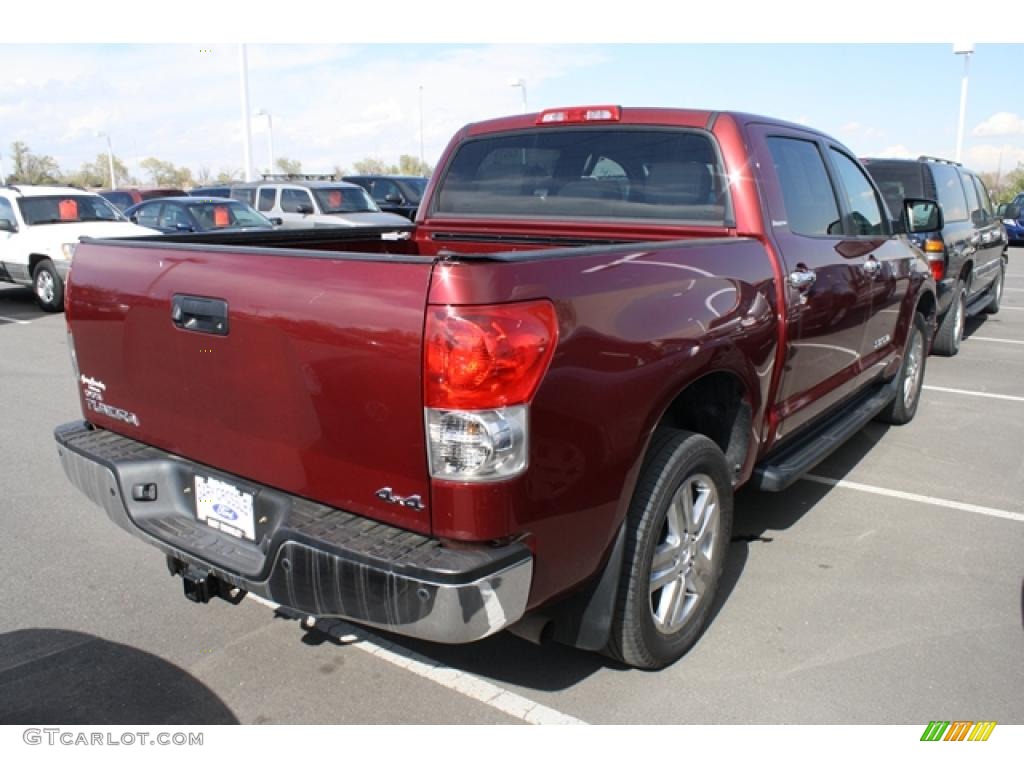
(422, 160)
(270, 137)
(110, 158)
(965, 50)
(2, 179)
(246, 124)
(518, 82)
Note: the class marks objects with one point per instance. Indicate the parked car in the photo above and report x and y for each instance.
(532, 415)
(968, 254)
(190, 214)
(39, 230)
(1012, 216)
(394, 194)
(221, 191)
(123, 199)
(312, 202)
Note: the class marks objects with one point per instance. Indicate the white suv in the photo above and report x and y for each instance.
(39, 228)
(315, 201)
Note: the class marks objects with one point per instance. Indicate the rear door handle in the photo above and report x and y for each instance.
(199, 314)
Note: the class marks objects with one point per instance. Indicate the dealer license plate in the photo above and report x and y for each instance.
(224, 507)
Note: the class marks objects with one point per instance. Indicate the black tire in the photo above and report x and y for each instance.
(996, 291)
(48, 287)
(951, 328)
(678, 464)
(903, 407)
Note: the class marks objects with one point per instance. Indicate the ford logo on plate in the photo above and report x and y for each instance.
(224, 511)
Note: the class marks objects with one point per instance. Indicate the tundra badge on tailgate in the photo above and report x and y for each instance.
(93, 391)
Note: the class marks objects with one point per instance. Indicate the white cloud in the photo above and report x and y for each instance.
(896, 150)
(860, 130)
(330, 104)
(991, 157)
(1000, 124)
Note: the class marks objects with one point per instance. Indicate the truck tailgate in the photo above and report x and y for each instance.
(312, 383)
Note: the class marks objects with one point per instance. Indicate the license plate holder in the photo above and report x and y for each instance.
(225, 507)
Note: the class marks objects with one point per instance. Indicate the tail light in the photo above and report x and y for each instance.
(935, 252)
(483, 365)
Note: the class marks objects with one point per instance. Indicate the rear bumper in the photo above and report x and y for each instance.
(314, 559)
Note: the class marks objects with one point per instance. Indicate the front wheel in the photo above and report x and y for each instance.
(48, 287)
(910, 379)
(678, 530)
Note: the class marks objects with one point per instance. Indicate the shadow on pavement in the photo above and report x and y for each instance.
(508, 659)
(19, 303)
(54, 676)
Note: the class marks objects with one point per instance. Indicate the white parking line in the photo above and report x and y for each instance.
(1012, 309)
(998, 341)
(974, 394)
(14, 320)
(935, 502)
(474, 687)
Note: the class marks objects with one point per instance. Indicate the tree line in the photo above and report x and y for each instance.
(27, 167)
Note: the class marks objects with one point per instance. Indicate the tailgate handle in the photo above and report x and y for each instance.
(195, 313)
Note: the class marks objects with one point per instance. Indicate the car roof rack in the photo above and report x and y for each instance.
(939, 160)
(300, 177)
(16, 187)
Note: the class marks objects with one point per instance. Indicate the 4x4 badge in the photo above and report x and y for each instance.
(412, 502)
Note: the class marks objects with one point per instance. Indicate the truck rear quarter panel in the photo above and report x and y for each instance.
(637, 325)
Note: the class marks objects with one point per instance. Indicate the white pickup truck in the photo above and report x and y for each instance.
(39, 229)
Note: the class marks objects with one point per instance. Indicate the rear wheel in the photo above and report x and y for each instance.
(996, 291)
(911, 377)
(951, 329)
(48, 287)
(678, 533)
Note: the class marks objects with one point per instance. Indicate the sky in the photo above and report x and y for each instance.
(336, 103)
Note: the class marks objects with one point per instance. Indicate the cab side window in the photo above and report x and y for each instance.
(811, 207)
(291, 199)
(865, 214)
(7, 211)
(381, 188)
(148, 215)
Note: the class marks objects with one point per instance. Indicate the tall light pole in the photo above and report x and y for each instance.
(422, 160)
(965, 50)
(518, 82)
(270, 137)
(2, 179)
(110, 157)
(246, 124)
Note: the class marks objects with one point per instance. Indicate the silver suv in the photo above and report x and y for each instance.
(315, 201)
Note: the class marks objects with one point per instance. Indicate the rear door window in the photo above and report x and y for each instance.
(665, 175)
(950, 192)
(864, 214)
(811, 207)
(267, 197)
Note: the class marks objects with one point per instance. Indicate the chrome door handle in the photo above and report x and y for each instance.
(802, 279)
(871, 266)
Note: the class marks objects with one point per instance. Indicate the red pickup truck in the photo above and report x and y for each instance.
(532, 407)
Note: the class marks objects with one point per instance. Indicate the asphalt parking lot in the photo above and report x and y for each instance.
(886, 589)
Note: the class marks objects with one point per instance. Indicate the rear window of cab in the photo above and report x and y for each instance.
(668, 175)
